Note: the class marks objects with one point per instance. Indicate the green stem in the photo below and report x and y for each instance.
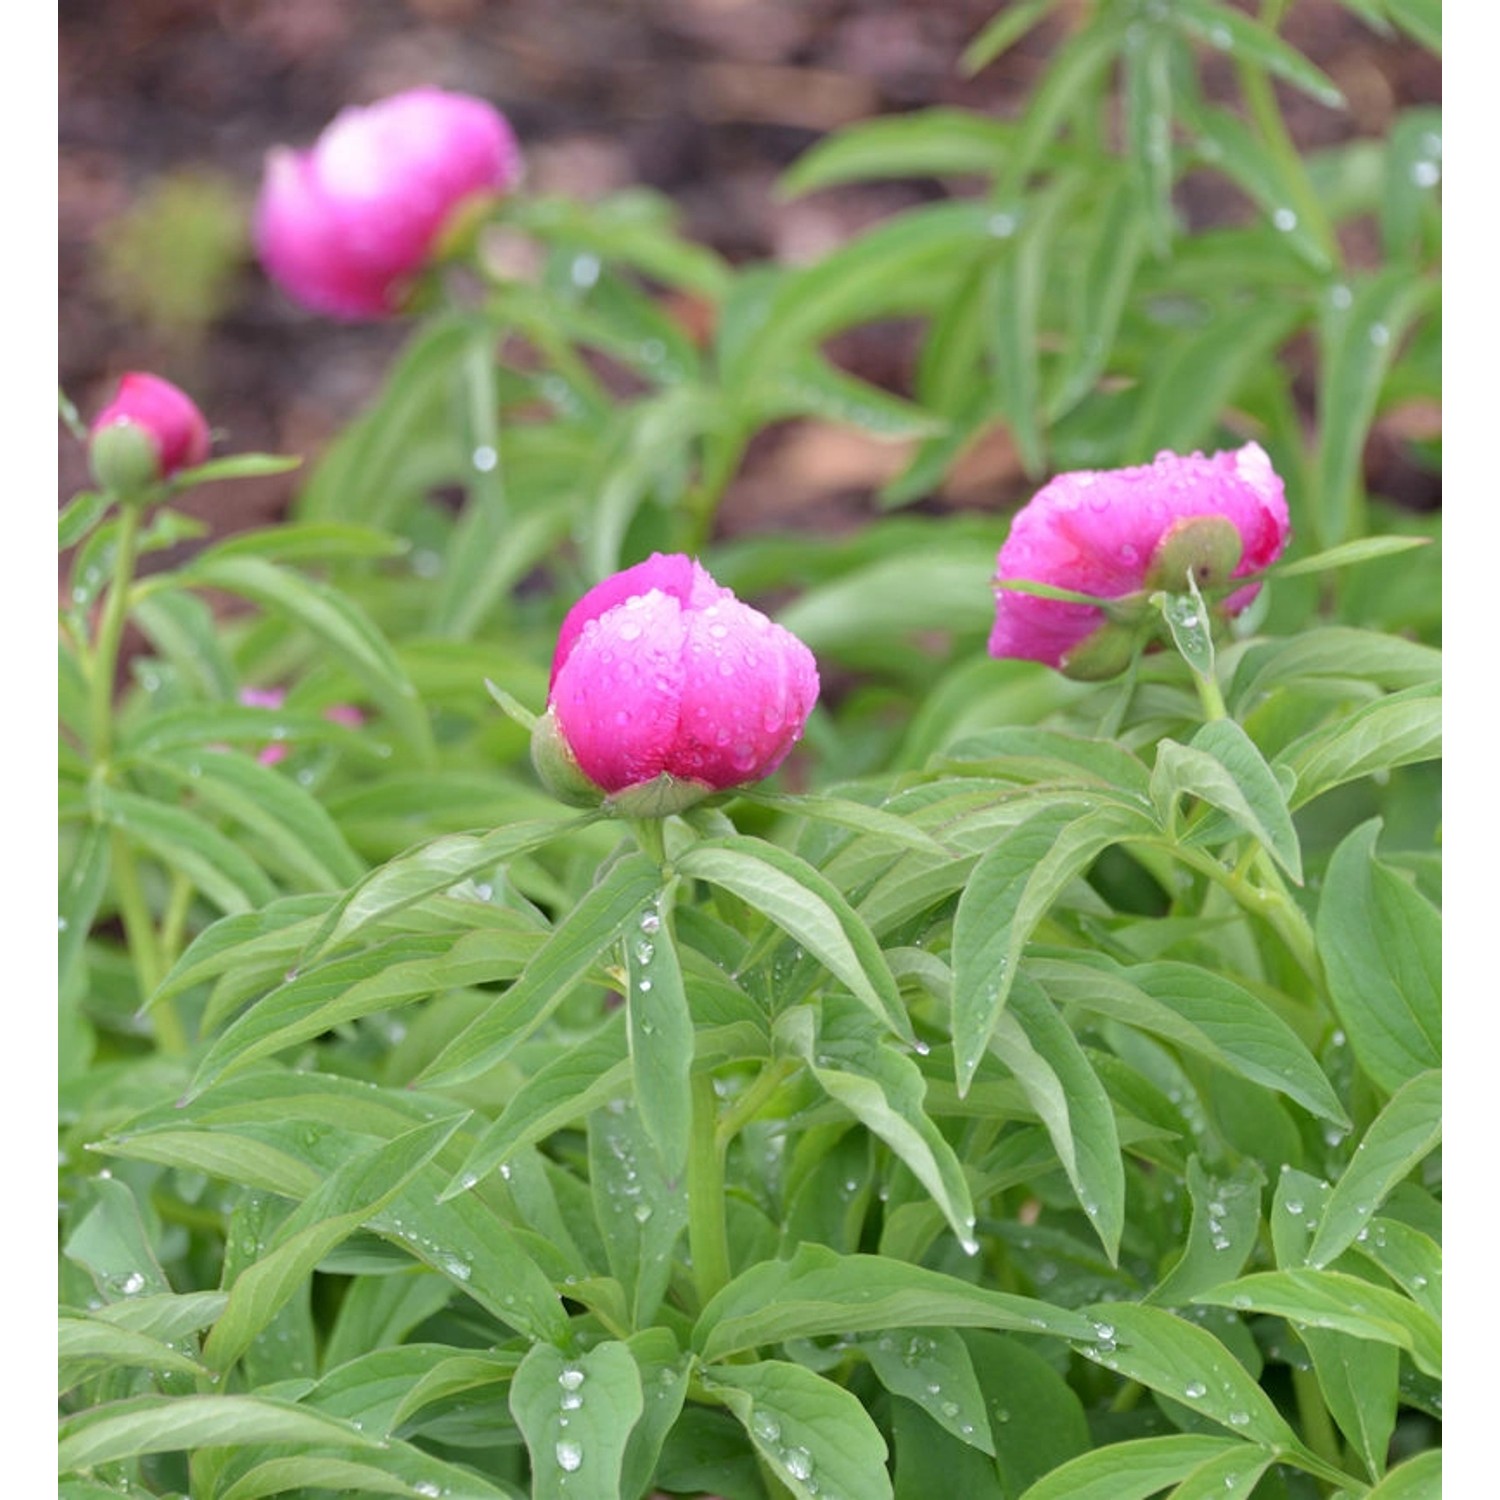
(708, 1237)
(1210, 697)
(174, 922)
(749, 1104)
(140, 938)
(111, 630)
(1274, 907)
(651, 839)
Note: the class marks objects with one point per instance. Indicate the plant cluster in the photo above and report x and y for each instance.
(1032, 1092)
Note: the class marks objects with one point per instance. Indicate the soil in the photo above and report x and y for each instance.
(707, 101)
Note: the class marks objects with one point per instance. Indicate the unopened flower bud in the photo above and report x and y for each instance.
(146, 434)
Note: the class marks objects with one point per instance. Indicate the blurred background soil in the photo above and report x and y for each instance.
(167, 108)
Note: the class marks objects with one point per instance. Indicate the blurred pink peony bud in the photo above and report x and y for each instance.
(660, 672)
(345, 226)
(1119, 532)
(147, 433)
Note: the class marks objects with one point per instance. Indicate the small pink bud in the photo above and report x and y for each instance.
(344, 227)
(147, 433)
(661, 673)
(1117, 532)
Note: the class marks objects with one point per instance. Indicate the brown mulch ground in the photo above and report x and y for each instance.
(705, 100)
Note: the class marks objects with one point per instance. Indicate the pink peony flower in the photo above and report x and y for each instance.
(345, 226)
(148, 432)
(1102, 533)
(661, 672)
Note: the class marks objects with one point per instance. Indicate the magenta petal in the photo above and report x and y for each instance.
(617, 696)
(343, 227)
(1098, 532)
(167, 415)
(674, 574)
(659, 670)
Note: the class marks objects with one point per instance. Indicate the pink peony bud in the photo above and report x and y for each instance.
(147, 433)
(345, 226)
(1117, 532)
(661, 672)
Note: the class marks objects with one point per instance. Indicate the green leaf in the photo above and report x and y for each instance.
(1410, 1258)
(295, 832)
(1009, 892)
(1398, 730)
(918, 143)
(1222, 1235)
(359, 477)
(1183, 1361)
(812, 387)
(899, 266)
(931, 1367)
(236, 466)
(183, 629)
(842, 812)
(1227, 143)
(347, 1199)
(213, 863)
(79, 517)
(163, 1424)
(665, 1372)
(310, 541)
(397, 1470)
(1037, 1420)
(855, 1065)
(579, 1080)
(1148, 58)
(806, 905)
(660, 1029)
(1419, 1478)
(1203, 1013)
(1422, 19)
(600, 919)
(576, 1416)
(78, 898)
(816, 1437)
(1009, 25)
(389, 975)
(1401, 1136)
(1249, 40)
(335, 621)
(1358, 336)
(818, 1292)
(1130, 1471)
(1199, 376)
(1118, 235)
(1348, 555)
(1054, 1072)
(1381, 945)
(270, 938)
(1229, 1471)
(640, 1209)
(85, 1347)
(1014, 310)
(428, 870)
(1335, 653)
(1223, 767)
(1333, 1299)
(1359, 1380)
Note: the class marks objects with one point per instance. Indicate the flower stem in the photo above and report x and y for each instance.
(111, 630)
(708, 1238)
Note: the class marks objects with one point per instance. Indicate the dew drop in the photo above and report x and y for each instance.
(1426, 174)
(1380, 335)
(1194, 1390)
(571, 1400)
(1284, 219)
(1239, 1418)
(1002, 226)
(485, 458)
(765, 1427)
(570, 1378)
(569, 1455)
(651, 922)
(799, 1463)
(133, 1283)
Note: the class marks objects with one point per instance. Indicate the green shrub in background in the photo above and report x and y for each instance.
(1041, 1099)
